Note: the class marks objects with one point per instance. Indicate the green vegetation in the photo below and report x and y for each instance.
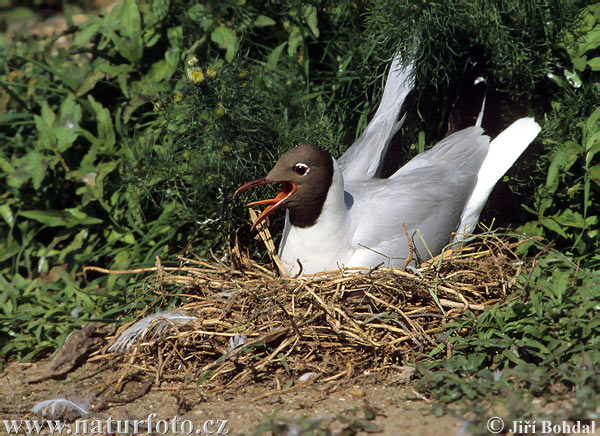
(542, 343)
(127, 142)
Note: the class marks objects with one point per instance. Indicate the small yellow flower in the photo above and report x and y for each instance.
(220, 111)
(156, 106)
(193, 61)
(178, 97)
(195, 75)
(211, 73)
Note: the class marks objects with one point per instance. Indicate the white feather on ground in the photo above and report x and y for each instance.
(61, 408)
(237, 341)
(155, 324)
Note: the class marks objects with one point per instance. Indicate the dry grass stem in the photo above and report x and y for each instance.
(293, 326)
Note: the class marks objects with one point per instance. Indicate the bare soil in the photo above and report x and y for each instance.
(368, 402)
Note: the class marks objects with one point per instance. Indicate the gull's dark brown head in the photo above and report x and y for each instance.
(305, 173)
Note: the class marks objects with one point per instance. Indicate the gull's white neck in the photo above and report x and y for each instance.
(323, 245)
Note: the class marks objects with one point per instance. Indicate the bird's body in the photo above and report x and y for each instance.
(339, 214)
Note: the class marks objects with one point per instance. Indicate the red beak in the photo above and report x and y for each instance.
(287, 189)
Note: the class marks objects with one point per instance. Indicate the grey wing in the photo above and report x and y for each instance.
(463, 151)
(424, 206)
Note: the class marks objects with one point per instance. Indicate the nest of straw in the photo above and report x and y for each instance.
(331, 326)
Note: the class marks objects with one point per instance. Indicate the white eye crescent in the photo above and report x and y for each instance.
(301, 169)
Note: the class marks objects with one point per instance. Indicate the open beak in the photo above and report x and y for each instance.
(287, 189)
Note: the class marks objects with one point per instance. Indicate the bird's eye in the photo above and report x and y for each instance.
(301, 169)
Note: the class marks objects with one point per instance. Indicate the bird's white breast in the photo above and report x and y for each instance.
(325, 245)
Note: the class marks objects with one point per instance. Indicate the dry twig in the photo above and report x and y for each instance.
(316, 324)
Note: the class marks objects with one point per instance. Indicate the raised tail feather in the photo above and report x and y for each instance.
(504, 150)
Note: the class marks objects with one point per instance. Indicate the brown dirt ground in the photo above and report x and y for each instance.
(390, 399)
(397, 408)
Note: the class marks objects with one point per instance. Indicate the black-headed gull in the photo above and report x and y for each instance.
(339, 214)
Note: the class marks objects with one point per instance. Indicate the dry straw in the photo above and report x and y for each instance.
(334, 325)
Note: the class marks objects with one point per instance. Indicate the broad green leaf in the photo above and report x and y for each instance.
(559, 282)
(510, 355)
(122, 260)
(32, 166)
(529, 342)
(160, 70)
(225, 38)
(86, 32)
(591, 124)
(531, 228)
(570, 219)
(124, 85)
(150, 38)
(562, 159)
(126, 238)
(123, 26)
(309, 13)
(62, 68)
(550, 224)
(263, 21)
(160, 8)
(201, 15)
(591, 221)
(421, 141)
(112, 70)
(47, 114)
(175, 36)
(164, 69)
(45, 133)
(592, 147)
(294, 41)
(7, 214)
(594, 63)
(592, 41)
(580, 63)
(89, 82)
(137, 99)
(594, 173)
(103, 170)
(128, 47)
(172, 56)
(273, 57)
(66, 130)
(559, 81)
(131, 19)
(106, 131)
(74, 245)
